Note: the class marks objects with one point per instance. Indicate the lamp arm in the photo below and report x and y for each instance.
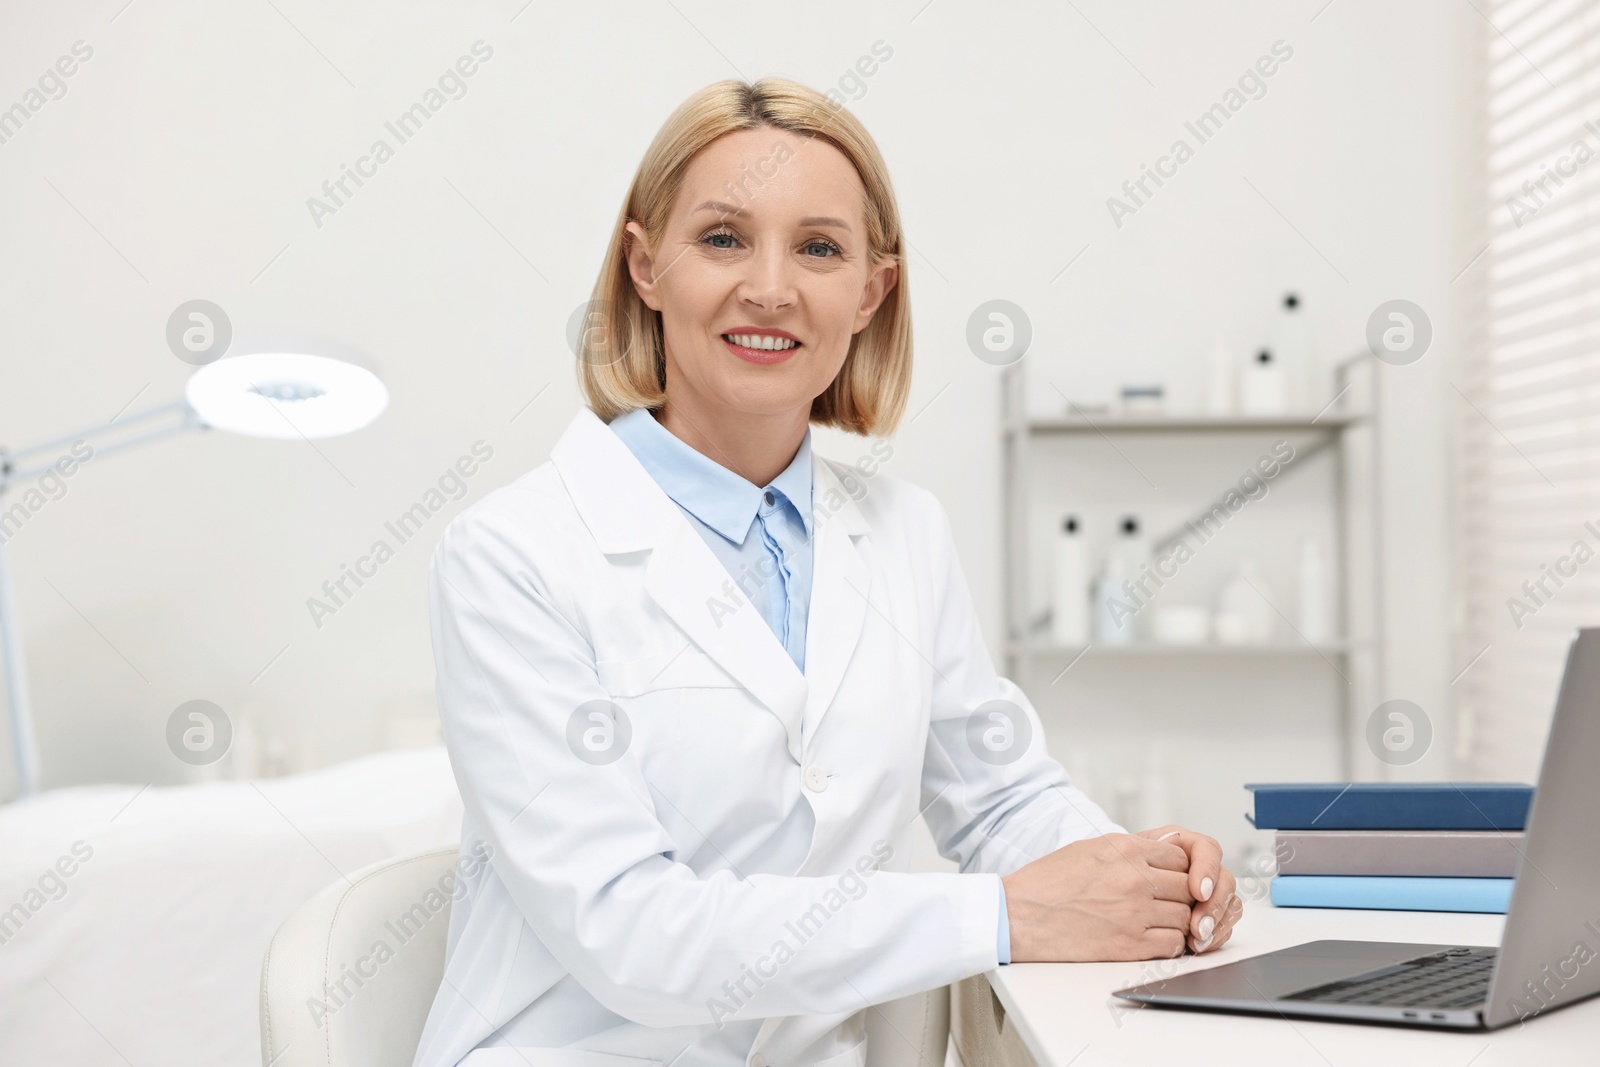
(186, 419)
(24, 744)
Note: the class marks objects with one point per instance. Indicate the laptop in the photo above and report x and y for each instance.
(1549, 954)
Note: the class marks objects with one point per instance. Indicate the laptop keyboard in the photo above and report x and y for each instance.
(1457, 978)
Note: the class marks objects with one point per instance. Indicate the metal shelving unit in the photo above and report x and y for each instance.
(1345, 429)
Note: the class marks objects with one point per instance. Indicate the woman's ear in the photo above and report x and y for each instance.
(879, 285)
(641, 266)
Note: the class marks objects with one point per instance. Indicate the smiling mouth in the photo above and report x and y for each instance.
(771, 344)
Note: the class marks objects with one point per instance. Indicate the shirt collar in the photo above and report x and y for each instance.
(709, 491)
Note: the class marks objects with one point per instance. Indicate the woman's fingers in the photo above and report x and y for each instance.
(1169, 885)
(1232, 913)
(1205, 862)
(1206, 882)
(1159, 943)
(1212, 921)
(1168, 854)
(1168, 915)
(1204, 856)
(1219, 937)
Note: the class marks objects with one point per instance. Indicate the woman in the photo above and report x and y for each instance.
(697, 684)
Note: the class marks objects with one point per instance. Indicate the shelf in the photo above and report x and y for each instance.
(1149, 649)
(1058, 435)
(1070, 424)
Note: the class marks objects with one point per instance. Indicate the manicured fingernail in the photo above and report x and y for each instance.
(1169, 833)
(1201, 946)
(1205, 889)
(1207, 924)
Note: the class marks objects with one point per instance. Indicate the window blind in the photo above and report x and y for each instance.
(1528, 431)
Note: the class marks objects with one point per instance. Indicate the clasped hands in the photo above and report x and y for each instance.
(1148, 895)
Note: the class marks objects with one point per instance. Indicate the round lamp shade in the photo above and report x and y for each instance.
(286, 394)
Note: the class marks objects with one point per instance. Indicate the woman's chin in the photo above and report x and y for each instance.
(775, 403)
(757, 390)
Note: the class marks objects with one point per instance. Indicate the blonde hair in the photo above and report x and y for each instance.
(621, 352)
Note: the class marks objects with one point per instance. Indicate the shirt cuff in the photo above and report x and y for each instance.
(1003, 935)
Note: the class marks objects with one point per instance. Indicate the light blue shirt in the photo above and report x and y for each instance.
(1003, 935)
(761, 535)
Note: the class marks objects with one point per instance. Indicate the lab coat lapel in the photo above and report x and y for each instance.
(692, 586)
(627, 511)
(840, 586)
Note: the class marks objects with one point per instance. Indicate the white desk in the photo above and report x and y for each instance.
(1065, 1014)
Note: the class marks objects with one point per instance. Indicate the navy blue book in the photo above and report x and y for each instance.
(1390, 805)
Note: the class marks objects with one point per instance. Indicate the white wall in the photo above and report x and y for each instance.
(178, 166)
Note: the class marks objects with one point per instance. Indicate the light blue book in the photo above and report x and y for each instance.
(1491, 895)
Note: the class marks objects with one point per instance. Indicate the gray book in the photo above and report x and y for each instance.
(1400, 853)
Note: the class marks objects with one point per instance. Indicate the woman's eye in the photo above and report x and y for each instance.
(724, 241)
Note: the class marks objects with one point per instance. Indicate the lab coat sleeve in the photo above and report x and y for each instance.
(581, 852)
(995, 799)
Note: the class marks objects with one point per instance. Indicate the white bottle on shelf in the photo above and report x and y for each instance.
(1291, 348)
(1069, 608)
(1115, 605)
(1130, 544)
(1262, 387)
(1315, 606)
(1113, 625)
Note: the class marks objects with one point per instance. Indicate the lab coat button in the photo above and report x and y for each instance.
(816, 780)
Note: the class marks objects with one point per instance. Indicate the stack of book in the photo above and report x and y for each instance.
(1405, 846)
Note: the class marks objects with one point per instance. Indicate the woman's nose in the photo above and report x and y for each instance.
(770, 280)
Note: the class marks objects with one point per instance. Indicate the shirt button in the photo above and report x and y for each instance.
(816, 778)
(770, 499)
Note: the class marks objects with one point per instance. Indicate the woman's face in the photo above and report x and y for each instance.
(767, 238)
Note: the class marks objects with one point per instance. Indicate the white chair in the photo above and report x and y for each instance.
(349, 977)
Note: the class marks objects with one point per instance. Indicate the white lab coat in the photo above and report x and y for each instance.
(629, 914)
